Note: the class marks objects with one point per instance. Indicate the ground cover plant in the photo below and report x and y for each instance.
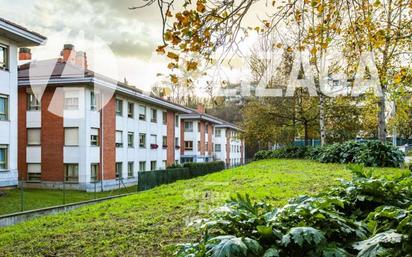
(367, 216)
(370, 153)
(151, 223)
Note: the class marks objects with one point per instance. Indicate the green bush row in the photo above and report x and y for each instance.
(203, 168)
(151, 179)
(370, 153)
(365, 217)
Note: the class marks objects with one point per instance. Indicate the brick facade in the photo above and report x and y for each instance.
(170, 138)
(209, 139)
(108, 147)
(52, 135)
(22, 134)
(202, 137)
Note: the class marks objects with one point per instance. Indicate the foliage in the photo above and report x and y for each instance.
(203, 168)
(369, 153)
(367, 216)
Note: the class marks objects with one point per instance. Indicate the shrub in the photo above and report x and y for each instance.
(175, 166)
(203, 168)
(367, 216)
(370, 153)
(150, 179)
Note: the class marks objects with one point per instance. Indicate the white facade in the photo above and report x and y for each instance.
(8, 125)
(12, 38)
(236, 153)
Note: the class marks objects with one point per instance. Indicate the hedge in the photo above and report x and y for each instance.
(203, 168)
(151, 179)
(370, 153)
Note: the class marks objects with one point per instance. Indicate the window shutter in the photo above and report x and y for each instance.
(33, 136)
(71, 136)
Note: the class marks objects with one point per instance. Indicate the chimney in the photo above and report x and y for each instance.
(68, 53)
(24, 54)
(81, 59)
(200, 108)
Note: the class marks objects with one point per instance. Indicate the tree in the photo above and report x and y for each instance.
(381, 27)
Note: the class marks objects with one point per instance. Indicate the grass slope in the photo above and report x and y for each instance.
(146, 224)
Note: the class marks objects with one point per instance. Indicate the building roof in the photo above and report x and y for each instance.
(19, 34)
(196, 115)
(58, 72)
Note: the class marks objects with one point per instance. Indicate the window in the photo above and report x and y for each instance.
(164, 164)
(4, 107)
(154, 116)
(218, 133)
(218, 148)
(93, 102)
(198, 127)
(33, 136)
(4, 157)
(177, 121)
(153, 139)
(198, 146)
(164, 118)
(153, 165)
(142, 166)
(130, 139)
(130, 110)
(94, 171)
(94, 137)
(176, 141)
(164, 141)
(142, 112)
(142, 140)
(34, 172)
(206, 146)
(4, 57)
(119, 170)
(71, 103)
(188, 126)
(32, 103)
(119, 138)
(189, 145)
(207, 128)
(71, 172)
(130, 169)
(71, 136)
(119, 107)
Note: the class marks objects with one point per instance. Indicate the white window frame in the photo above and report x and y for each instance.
(94, 137)
(142, 112)
(119, 138)
(4, 116)
(4, 164)
(33, 104)
(4, 65)
(34, 172)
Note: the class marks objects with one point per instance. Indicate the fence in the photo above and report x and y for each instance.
(25, 197)
(150, 179)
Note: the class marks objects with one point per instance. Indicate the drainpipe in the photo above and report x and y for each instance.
(102, 136)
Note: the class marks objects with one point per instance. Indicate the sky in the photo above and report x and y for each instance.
(119, 42)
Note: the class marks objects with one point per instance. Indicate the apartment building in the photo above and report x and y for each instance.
(12, 37)
(85, 127)
(207, 138)
(228, 144)
(80, 127)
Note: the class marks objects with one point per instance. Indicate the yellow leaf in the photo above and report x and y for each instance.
(173, 56)
(200, 7)
(161, 49)
(174, 79)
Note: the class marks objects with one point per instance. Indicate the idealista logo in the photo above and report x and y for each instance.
(72, 67)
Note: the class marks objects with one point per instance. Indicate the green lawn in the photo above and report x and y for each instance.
(41, 198)
(148, 223)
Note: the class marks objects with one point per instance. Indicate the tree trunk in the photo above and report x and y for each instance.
(306, 133)
(322, 119)
(381, 118)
